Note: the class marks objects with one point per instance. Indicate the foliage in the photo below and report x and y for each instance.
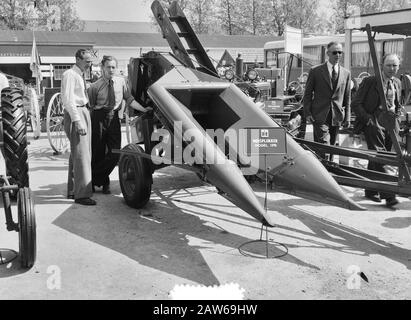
(201, 14)
(51, 15)
(269, 17)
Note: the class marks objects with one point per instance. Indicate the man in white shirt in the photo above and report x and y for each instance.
(327, 96)
(4, 82)
(77, 125)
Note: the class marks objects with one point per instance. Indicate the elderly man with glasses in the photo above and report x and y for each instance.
(327, 96)
(368, 110)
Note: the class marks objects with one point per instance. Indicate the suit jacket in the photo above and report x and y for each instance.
(366, 103)
(319, 96)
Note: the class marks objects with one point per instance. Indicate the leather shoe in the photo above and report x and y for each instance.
(106, 189)
(391, 202)
(85, 201)
(70, 196)
(373, 197)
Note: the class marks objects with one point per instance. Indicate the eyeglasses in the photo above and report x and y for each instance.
(337, 52)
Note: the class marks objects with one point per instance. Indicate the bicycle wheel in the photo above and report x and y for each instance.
(55, 125)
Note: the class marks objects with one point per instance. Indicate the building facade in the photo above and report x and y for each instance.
(57, 49)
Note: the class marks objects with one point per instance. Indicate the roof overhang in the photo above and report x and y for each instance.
(393, 22)
(57, 60)
(49, 54)
(14, 60)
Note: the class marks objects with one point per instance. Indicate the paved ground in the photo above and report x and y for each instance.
(188, 234)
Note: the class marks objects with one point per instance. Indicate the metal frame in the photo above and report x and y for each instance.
(362, 178)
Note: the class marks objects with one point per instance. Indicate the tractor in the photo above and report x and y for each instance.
(14, 182)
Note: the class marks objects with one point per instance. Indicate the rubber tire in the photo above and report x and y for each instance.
(15, 150)
(27, 227)
(136, 188)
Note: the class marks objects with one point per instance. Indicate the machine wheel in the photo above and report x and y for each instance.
(55, 125)
(27, 227)
(15, 137)
(135, 177)
(296, 87)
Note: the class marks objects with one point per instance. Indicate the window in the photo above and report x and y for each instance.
(312, 56)
(283, 59)
(271, 59)
(394, 46)
(361, 56)
(59, 70)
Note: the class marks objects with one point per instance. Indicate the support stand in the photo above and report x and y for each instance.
(254, 251)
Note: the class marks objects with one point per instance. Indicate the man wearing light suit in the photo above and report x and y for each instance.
(327, 96)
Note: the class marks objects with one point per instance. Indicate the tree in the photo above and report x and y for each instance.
(15, 15)
(238, 17)
(201, 13)
(296, 13)
(47, 15)
(304, 15)
(69, 19)
(226, 16)
(251, 15)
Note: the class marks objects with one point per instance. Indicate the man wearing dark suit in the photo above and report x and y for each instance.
(327, 96)
(367, 108)
(106, 96)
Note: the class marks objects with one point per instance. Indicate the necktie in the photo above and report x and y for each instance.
(334, 77)
(390, 95)
(111, 97)
(85, 87)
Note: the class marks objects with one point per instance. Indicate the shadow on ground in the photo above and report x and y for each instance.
(158, 236)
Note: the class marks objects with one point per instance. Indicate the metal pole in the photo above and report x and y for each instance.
(390, 117)
(51, 75)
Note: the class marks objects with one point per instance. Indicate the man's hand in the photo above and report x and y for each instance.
(136, 106)
(310, 119)
(80, 129)
(346, 123)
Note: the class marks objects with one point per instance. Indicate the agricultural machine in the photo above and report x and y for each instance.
(209, 126)
(14, 182)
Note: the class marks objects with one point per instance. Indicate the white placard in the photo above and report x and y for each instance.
(293, 40)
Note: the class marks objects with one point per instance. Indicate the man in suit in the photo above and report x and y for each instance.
(327, 96)
(367, 108)
(106, 96)
(77, 125)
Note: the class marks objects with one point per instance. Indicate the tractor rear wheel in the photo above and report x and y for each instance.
(135, 177)
(14, 136)
(27, 227)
